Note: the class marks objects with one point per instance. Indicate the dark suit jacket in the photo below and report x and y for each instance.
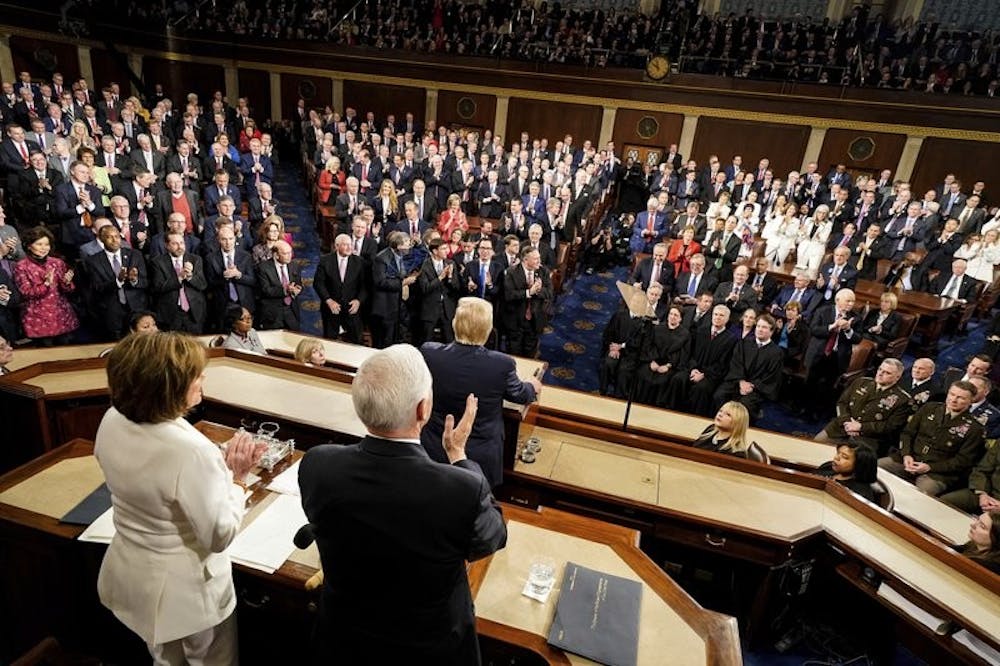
(271, 301)
(768, 288)
(880, 249)
(939, 255)
(394, 531)
(164, 287)
(747, 299)
(430, 207)
(491, 293)
(728, 254)
(387, 282)
(103, 284)
(516, 300)
(10, 311)
(966, 289)
(163, 206)
(433, 289)
(458, 370)
(706, 284)
(819, 330)
(328, 284)
(246, 168)
(173, 164)
(212, 197)
(712, 357)
(66, 201)
(492, 209)
(809, 299)
(219, 286)
(889, 327)
(918, 277)
(644, 272)
(848, 278)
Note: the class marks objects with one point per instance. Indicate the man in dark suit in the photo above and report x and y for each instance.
(341, 285)
(687, 190)
(492, 196)
(689, 218)
(439, 290)
(279, 285)
(34, 198)
(737, 294)
(722, 249)
(484, 275)
(799, 291)
(955, 283)
(870, 248)
(177, 286)
(755, 370)
(230, 274)
(836, 275)
(15, 150)
(907, 230)
(833, 336)
(649, 229)
(655, 269)
(256, 168)
(909, 274)
(692, 388)
(389, 278)
(186, 164)
(411, 224)
(77, 204)
(535, 241)
(221, 187)
(427, 206)
(970, 217)
(979, 365)
(465, 367)
(116, 283)
(395, 529)
(177, 199)
(941, 247)
(527, 294)
(691, 284)
(763, 283)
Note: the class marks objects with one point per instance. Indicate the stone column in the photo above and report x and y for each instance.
(338, 96)
(7, 72)
(275, 96)
(87, 68)
(688, 130)
(232, 77)
(814, 146)
(908, 159)
(135, 64)
(607, 126)
(430, 104)
(500, 119)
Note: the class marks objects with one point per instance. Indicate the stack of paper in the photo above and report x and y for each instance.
(286, 483)
(266, 543)
(978, 646)
(101, 530)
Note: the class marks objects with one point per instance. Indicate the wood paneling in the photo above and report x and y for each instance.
(108, 69)
(968, 160)
(784, 145)
(552, 120)
(255, 85)
(627, 124)
(888, 148)
(41, 58)
(316, 90)
(382, 100)
(179, 78)
(447, 109)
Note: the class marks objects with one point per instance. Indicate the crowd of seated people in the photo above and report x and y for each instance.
(861, 49)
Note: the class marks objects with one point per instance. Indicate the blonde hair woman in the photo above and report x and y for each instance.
(781, 232)
(79, 137)
(728, 434)
(452, 217)
(814, 233)
(310, 352)
(983, 255)
(386, 205)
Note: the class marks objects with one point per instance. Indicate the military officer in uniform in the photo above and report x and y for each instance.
(940, 444)
(986, 413)
(871, 412)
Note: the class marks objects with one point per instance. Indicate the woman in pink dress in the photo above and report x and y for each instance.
(47, 316)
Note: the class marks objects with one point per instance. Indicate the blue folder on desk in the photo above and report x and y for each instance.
(597, 616)
(91, 508)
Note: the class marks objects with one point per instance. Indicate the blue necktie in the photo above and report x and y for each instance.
(692, 283)
(482, 280)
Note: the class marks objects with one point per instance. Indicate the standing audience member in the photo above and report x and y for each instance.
(47, 317)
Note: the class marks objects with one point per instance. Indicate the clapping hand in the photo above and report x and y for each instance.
(68, 276)
(242, 454)
(455, 437)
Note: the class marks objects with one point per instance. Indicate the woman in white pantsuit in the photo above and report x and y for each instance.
(178, 503)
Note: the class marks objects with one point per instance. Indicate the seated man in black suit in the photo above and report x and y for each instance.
(872, 247)
(909, 274)
(763, 283)
(755, 370)
(464, 366)
(692, 388)
(829, 352)
(737, 295)
(395, 529)
(655, 269)
(799, 291)
(956, 284)
(979, 365)
(692, 284)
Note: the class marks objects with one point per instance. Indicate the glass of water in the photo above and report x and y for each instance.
(541, 575)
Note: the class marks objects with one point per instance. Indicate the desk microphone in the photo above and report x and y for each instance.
(304, 537)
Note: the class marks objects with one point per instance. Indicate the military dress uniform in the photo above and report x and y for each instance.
(949, 445)
(881, 412)
(985, 478)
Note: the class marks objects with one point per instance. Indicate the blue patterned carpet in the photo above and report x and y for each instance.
(572, 341)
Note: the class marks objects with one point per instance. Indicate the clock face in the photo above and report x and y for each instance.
(657, 67)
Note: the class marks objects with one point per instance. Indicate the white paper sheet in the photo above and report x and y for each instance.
(935, 624)
(101, 530)
(978, 646)
(287, 483)
(267, 542)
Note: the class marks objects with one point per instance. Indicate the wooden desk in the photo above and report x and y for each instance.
(928, 513)
(63, 602)
(716, 503)
(25, 356)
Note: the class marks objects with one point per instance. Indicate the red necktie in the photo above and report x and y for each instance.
(24, 153)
